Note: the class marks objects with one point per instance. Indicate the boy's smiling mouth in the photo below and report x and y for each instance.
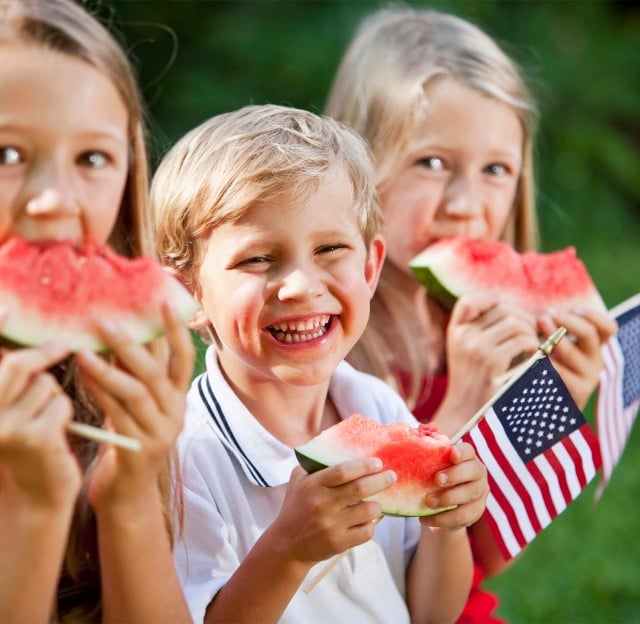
(303, 330)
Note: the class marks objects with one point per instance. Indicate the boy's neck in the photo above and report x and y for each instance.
(292, 414)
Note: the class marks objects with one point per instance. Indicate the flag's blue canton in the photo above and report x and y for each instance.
(537, 411)
(629, 339)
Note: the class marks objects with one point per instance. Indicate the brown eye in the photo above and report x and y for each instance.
(9, 155)
(431, 162)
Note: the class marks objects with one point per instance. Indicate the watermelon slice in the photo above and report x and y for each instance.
(456, 266)
(415, 454)
(55, 291)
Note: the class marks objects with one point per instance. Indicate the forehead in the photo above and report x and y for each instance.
(458, 113)
(50, 89)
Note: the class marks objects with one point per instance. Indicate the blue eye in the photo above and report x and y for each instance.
(496, 169)
(95, 160)
(9, 155)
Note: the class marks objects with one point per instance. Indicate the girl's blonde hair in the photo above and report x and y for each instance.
(380, 90)
(255, 154)
(63, 26)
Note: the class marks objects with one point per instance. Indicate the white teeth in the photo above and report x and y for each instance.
(300, 331)
(308, 325)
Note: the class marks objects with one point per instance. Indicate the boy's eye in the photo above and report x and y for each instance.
(431, 162)
(253, 260)
(94, 160)
(330, 248)
(9, 155)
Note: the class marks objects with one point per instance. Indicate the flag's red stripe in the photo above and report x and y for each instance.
(499, 458)
(576, 459)
(562, 478)
(495, 525)
(514, 478)
(496, 531)
(545, 490)
(609, 412)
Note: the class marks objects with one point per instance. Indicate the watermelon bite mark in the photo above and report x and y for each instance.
(415, 454)
(533, 281)
(55, 291)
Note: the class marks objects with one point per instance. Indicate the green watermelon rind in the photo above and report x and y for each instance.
(435, 286)
(310, 465)
(455, 266)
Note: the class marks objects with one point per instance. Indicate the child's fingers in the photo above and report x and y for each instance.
(182, 357)
(469, 308)
(119, 394)
(346, 472)
(355, 480)
(18, 367)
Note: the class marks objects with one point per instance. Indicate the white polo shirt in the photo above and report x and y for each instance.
(235, 475)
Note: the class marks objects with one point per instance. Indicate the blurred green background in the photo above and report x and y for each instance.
(197, 58)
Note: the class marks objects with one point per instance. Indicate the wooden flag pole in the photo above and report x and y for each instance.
(543, 350)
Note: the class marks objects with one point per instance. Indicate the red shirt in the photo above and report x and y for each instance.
(480, 604)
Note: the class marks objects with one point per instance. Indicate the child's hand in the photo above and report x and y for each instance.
(37, 466)
(324, 513)
(482, 340)
(578, 357)
(463, 484)
(142, 397)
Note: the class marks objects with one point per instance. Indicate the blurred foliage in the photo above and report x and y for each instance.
(197, 58)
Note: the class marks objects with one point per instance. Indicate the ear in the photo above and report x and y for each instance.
(374, 262)
(198, 321)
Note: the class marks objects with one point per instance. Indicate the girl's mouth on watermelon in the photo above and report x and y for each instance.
(301, 330)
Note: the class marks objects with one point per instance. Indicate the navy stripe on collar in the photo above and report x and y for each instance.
(224, 431)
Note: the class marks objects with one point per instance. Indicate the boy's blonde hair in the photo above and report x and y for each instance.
(235, 160)
(381, 90)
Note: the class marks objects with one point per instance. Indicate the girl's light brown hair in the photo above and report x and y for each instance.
(63, 26)
(381, 90)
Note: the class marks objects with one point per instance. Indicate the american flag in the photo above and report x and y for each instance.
(540, 453)
(619, 395)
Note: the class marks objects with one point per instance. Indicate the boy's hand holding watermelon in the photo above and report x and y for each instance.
(445, 485)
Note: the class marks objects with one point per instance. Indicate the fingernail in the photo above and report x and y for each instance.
(441, 478)
(86, 356)
(375, 463)
(56, 347)
(433, 502)
(108, 326)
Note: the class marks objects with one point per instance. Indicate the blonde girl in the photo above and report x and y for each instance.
(451, 123)
(84, 531)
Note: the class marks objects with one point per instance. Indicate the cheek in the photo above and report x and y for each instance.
(104, 216)
(498, 216)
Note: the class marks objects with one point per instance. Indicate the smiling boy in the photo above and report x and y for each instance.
(270, 215)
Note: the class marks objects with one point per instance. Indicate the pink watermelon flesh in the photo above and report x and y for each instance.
(55, 291)
(456, 266)
(415, 454)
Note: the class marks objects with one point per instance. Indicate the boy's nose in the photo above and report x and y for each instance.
(300, 283)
